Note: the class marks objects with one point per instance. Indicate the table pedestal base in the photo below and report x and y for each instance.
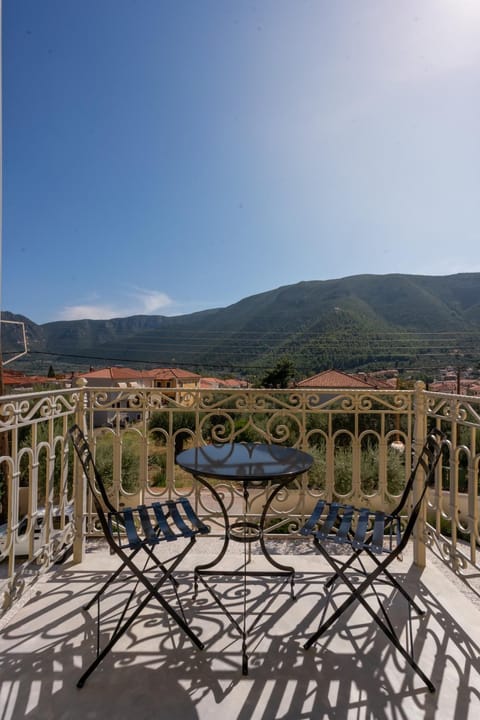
(242, 628)
(251, 465)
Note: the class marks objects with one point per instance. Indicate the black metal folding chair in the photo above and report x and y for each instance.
(128, 532)
(374, 534)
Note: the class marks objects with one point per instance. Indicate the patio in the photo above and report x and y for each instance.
(353, 672)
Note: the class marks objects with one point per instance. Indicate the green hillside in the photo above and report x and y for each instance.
(363, 321)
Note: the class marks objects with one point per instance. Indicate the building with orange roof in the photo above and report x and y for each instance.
(157, 377)
(174, 383)
(108, 374)
(456, 387)
(17, 381)
(334, 379)
(214, 383)
(173, 377)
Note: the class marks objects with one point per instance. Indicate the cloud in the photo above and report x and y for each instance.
(152, 301)
(87, 312)
(143, 302)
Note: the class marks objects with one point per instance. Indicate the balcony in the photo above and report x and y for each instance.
(362, 444)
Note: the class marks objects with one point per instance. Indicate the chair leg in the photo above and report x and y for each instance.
(357, 594)
(356, 556)
(351, 559)
(152, 592)
(399, 587)
(120, 569)
(111, 579)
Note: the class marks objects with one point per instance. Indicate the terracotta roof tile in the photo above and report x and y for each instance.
(378, 382)
(212, 382)
(333, 379)
(209, 382)
(467, 387)
(114, 373)
(124, 373)
(169, 373)
(18, 378)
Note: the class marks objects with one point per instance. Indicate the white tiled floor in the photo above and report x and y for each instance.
(155, 672)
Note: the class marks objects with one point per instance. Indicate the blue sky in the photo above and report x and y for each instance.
(169, 156)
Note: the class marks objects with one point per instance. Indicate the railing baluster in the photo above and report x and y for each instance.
(334, 424)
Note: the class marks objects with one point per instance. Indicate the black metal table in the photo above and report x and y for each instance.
(250, 465)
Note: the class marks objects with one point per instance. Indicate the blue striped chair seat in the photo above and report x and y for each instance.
(149, 525)
(358, 527)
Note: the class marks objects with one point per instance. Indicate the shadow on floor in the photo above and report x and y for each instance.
(155, 672)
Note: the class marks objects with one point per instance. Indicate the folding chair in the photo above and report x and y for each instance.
(374, 534)
(128, 532)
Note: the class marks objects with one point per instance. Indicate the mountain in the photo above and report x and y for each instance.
(362, 321)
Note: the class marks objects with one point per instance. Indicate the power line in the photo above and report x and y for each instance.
(202, 365)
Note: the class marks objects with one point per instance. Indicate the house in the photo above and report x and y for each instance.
(121, 377)
(214, 383)
(173, 382)
(17, 381)
(334, 379)
(387, 379)
(167, 378)
(458, 387)
(111, 376)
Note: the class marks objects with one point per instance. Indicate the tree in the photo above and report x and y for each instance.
(280, 376)
(130, 462)
(178, 421)
(51, 372)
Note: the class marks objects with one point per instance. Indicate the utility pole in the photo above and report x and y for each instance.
(458, 368)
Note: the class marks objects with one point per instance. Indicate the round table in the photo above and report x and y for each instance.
(251, 465)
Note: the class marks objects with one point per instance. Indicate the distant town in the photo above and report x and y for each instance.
(448, 380)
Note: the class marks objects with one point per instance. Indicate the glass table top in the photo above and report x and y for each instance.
(245, 461)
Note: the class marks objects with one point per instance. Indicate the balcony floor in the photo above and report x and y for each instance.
(154, 672)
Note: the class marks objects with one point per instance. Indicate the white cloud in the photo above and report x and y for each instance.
(152, 301)
(87, 312)
(143, 302)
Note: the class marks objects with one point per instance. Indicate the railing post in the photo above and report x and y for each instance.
(419, 434)
(79, 484)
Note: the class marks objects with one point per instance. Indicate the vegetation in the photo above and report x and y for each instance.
(130, 472)
(25, 441)
(368, 471)
(179, 424)
(363, 321)
(281, 375)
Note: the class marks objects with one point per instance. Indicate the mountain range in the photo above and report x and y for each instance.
(358, 322)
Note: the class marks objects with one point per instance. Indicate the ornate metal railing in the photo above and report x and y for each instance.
(362, 444)
(452, 527)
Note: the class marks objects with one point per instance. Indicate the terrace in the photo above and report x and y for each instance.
(362, 443)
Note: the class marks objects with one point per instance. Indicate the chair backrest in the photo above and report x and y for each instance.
(94, 479)
(427, 460)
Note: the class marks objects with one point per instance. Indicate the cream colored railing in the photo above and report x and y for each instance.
(362, 443)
